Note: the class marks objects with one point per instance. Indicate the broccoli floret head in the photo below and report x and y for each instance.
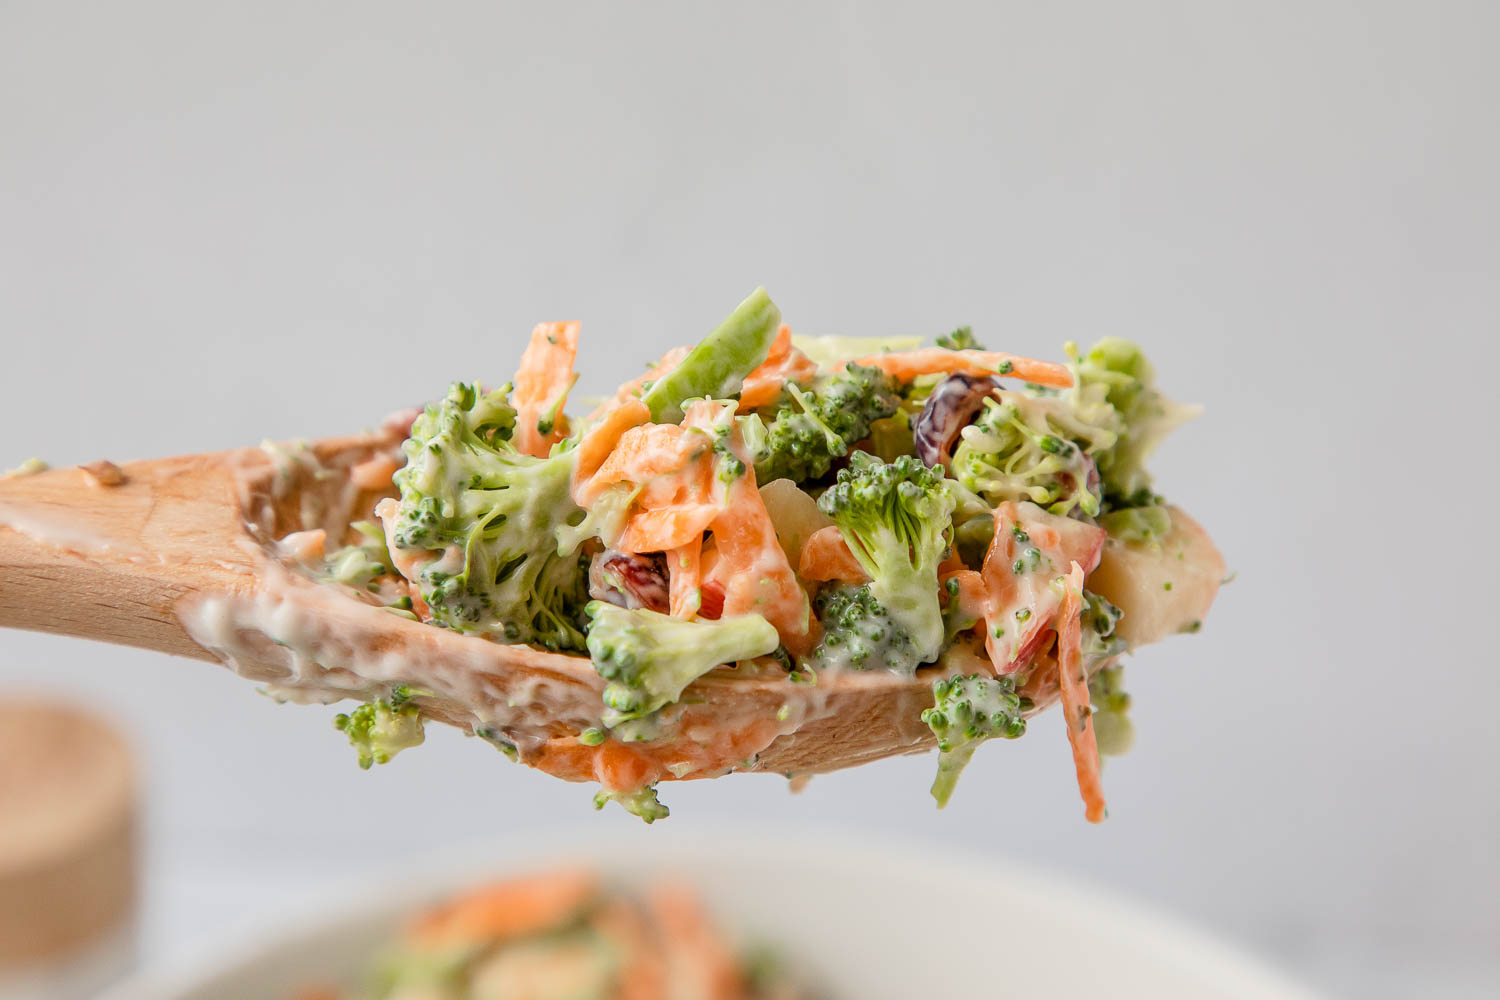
(961, 339)
(1027, 448)
(859, 633)
(649, 658)
(817, 425)
(1115, 374)
(642, 802)
(490, 515)
(382, 728)
(1113, 730)
(897, 519)
(966, 711)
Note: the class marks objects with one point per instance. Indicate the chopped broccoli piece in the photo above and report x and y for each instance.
(1099, 618)
(1027, 448)
(966, 711)
(641, 802)
(494, 519)
(1113, 730)
(359, 564)
(649, 658)
(1137, 524)
(1077, 450)
(897, 519)
(859, 633)
(961, 339)
(718, 365)
(382, 728)
(819, 425)
(1115, 374)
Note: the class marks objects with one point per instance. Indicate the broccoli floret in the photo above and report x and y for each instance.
(493, 517)
(1080, 449)
(966, 711)
(1027, 448)
(859, 633)
(961, 339)
(820, 424)
(1113, 730)
(649, 658)
(642, 802)
(382, 728)
(359, 564)
(1137, 524)
(1115, 372)
(897, 519)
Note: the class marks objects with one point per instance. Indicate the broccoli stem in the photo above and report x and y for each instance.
(718, 365)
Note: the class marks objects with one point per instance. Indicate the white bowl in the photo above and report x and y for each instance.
(898, 921)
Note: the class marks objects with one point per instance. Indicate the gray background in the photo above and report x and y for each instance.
(266, 220)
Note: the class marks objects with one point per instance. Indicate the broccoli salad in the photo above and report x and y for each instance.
(565, 935)
(814, 509)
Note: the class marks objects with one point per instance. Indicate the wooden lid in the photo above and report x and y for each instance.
(67, 831)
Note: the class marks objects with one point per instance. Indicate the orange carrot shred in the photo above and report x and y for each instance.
(684, 577)
(666, 528)
(1074, 686)
(784, 363)
(907, 365)
(541, 387)
(826, 556)
(599, 441)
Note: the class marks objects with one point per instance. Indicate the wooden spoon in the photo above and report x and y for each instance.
(180, 555)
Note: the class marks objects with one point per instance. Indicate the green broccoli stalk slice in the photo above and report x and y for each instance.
(966, 711)
(649, 658)
(859, 633)
(897, 519)
(717, 367)
(382, 728)
(821, 424)
(493, 520)
(641, 802)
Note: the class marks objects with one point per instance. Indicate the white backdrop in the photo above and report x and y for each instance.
(282, 220)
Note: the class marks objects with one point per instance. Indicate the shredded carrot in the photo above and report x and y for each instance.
(685, 576)
(540, 388)
(784, 363)
(599, 441)
(509, 909)
(633, 389)
(907, 365)
(374, 473)
(1073, 684)
(753, 570)
(666, 528)
(826, 556)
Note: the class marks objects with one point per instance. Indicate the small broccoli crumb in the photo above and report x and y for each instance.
(961, 339)
(382, 728)
(642, 802)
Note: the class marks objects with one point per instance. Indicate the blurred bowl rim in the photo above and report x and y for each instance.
(1090, 908)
